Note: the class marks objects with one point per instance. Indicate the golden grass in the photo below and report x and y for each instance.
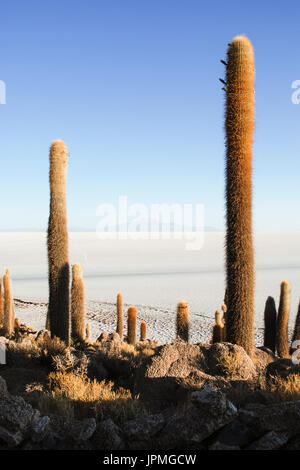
(77, 396)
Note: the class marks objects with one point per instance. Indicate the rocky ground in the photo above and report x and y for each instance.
(194, 396)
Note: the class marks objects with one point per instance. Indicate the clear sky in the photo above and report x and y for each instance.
(132, 87)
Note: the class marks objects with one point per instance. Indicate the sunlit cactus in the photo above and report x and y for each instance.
(182, 321)
(143, 336)
(9, 310)
(120, 315)
(58, 245)
(17, 326)
(282, 339)
(296, 333)
(77, 304)
(218, 328)
(240, 109)
(224, 310)
(270, 318)
(1, 304)
(131, 325)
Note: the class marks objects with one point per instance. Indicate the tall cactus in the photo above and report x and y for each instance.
(240, 104)
(77, 304)
(270, 319)
(9, 310)
(1, 304)
(131, 325)
(58, 245)
(182, 321)
(282, 335)
(120, 315)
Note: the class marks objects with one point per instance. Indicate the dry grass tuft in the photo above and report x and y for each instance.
(77, 396)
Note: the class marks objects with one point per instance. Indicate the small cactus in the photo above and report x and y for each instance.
(270, 319)
(296, 333)
(282, 341)
(87, 332)
(143, 336)
(120, 316)
(182, 321)
(17, 326)
(131, 325)
(217, 336)
(77, 303)
(8, 317)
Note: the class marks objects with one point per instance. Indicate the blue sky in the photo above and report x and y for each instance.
(132, 87)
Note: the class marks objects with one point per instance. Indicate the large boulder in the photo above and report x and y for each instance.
(158, 380)
(140, 432)
(16, 419)
(108, 436)
(231, 362)
(209, 411)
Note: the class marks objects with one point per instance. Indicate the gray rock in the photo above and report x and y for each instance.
(230, 361)
(210, 412)
(108, 436)
(271, 441)
(3, 387)
(236, 434)
(39, 430)
(140, 432)
(214, 400)
(16, 419)
(83, 430)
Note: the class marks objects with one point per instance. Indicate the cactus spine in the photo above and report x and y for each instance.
(143, 336)
(270, 315)
(282, 340)
(9, 311)
(58, 244)
(296, 333)
(120, 315)
(240, 104)
(131, 325)
(77, 304)
(182, 321)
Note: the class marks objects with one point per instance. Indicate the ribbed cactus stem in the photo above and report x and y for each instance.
(270, 319)
(217, 336)
(143, 336)
(120, 316)
(1, 304)
(296, 333)
(58, 244)
(240, 109)
(182, 321)
(77, 304)
(131, 325)
(282, 339)
(219, 318)
(8, 317)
